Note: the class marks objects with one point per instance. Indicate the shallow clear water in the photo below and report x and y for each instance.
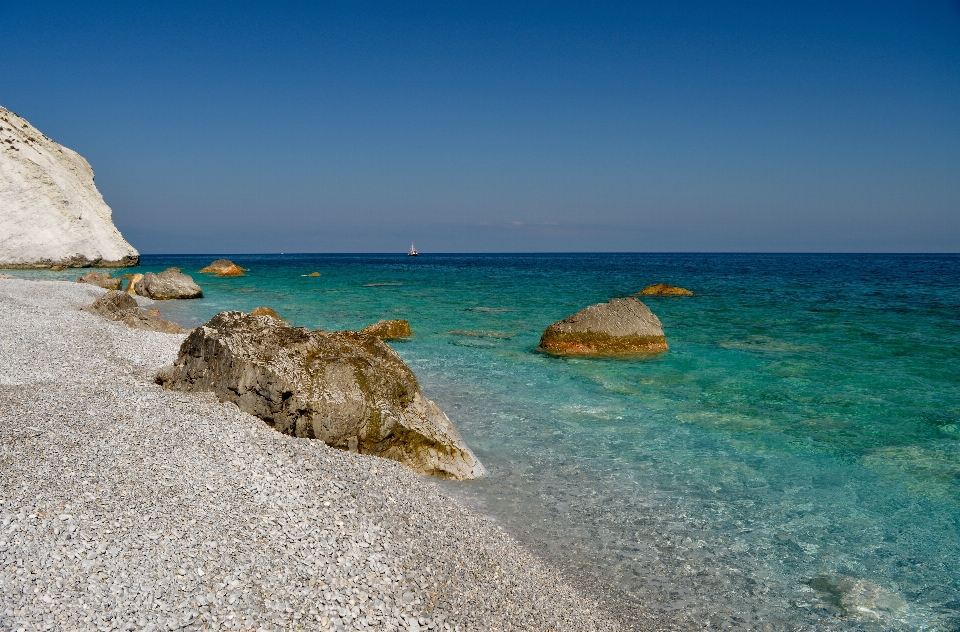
(803, 428)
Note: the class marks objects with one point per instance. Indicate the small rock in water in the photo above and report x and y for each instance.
(223, 267)
(662, 289)
(622, 326)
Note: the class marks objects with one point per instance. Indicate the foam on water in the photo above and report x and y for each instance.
(793, 462)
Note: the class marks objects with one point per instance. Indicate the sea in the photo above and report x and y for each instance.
(791, 463)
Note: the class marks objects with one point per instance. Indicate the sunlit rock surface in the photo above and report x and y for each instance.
(51, 214)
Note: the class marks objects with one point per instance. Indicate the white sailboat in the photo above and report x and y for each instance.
(413, 251)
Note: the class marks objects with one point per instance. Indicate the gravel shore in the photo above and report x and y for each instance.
(127, 507)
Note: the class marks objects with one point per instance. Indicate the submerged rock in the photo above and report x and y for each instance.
(623, 326)
(121, 307)
(662, 289)
(263, 310)
(101, 280)
(223, 267)
(858, 598)
(348, 389)
(53, 216)
(389, 329)
(169, 284)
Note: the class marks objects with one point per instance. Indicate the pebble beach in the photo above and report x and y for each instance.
(127, 507)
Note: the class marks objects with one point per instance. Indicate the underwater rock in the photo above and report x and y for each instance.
(858, 598)
(346, 388)
(101, 280)
(123, 308)
(662, 289)
(169, 284)
(53, 215)
(622, 326)
(389, 329)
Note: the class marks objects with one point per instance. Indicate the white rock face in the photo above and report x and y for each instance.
(51, 214)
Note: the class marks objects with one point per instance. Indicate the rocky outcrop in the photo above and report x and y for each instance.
(169, 284)
(122, 307)
(223, 267)
(101, 280)
(662, 289)
(348, 389)
(389, 329)
(623, 326)
(52, 214)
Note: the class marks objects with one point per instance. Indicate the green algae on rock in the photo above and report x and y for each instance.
(346, 388)
(622, 326)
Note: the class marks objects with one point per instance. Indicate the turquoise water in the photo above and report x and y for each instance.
(803, 428)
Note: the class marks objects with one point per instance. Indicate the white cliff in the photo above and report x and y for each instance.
(51, 214)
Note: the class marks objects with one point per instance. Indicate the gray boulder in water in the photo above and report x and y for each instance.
(171, 283)
(348, 389)
(123, 308)
(623, 326)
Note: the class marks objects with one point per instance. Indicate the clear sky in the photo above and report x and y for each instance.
(521, 126)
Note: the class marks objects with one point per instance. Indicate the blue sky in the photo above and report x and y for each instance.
(351, 127)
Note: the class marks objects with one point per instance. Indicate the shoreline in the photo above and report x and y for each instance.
(132, 507)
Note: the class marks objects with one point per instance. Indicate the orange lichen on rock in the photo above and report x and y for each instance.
(223, 267)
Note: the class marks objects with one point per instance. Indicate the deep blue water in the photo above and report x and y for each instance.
(801, 436)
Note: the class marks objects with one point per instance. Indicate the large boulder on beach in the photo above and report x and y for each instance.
(623, 326)
(101, 280)
(389, 329)
(52, 214)
(348, 389)
(169, 284)
(123, 308)
(662, 289)
(223, 267)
